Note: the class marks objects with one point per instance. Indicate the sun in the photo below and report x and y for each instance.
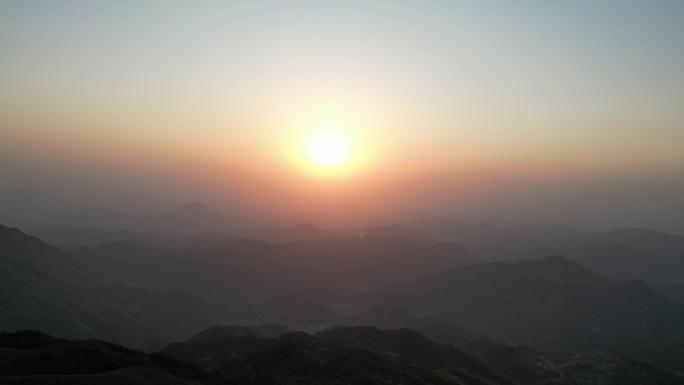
(328, 147)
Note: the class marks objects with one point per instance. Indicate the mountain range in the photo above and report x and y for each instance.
(508, 321)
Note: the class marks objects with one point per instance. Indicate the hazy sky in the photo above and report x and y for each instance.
(553, 110)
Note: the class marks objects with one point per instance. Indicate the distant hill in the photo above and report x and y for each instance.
(372, 261)
(23, 252)
(551, 303)
(137, 295)
(623, 262)
(643, 240)
(491, 243)
(46, 289)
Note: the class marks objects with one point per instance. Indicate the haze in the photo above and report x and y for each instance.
(476, 111)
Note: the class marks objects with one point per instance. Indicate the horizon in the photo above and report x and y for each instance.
(481, 112)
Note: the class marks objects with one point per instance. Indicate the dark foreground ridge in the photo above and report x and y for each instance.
(342, 355)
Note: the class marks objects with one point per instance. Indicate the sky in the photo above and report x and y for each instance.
(476, 110)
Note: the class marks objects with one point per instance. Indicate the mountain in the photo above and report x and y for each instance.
(551, 303)
(44, 288)
(521, 363)
(217, 339)
(30, 357)
(367, 355)
(338, 356)
(529, 366)
(623, 262)
(19, 251)
(270, 354)
(642, 240)
(140, 295)
(491, 243)
(556, 269)
(394, 317)
(345, 263)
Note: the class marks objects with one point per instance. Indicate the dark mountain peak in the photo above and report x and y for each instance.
(16, 238)
(344, 355)
(11, 233)
(557, 269)
(360, 332)
(28, 339)
(440, 330)
(31, 357)
(555, 259)
(402, 341)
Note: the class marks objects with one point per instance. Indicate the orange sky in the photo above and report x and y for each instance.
(468, 109)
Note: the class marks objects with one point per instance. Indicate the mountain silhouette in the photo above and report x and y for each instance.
(552, 303)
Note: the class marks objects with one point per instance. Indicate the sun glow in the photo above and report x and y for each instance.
(328, 147)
